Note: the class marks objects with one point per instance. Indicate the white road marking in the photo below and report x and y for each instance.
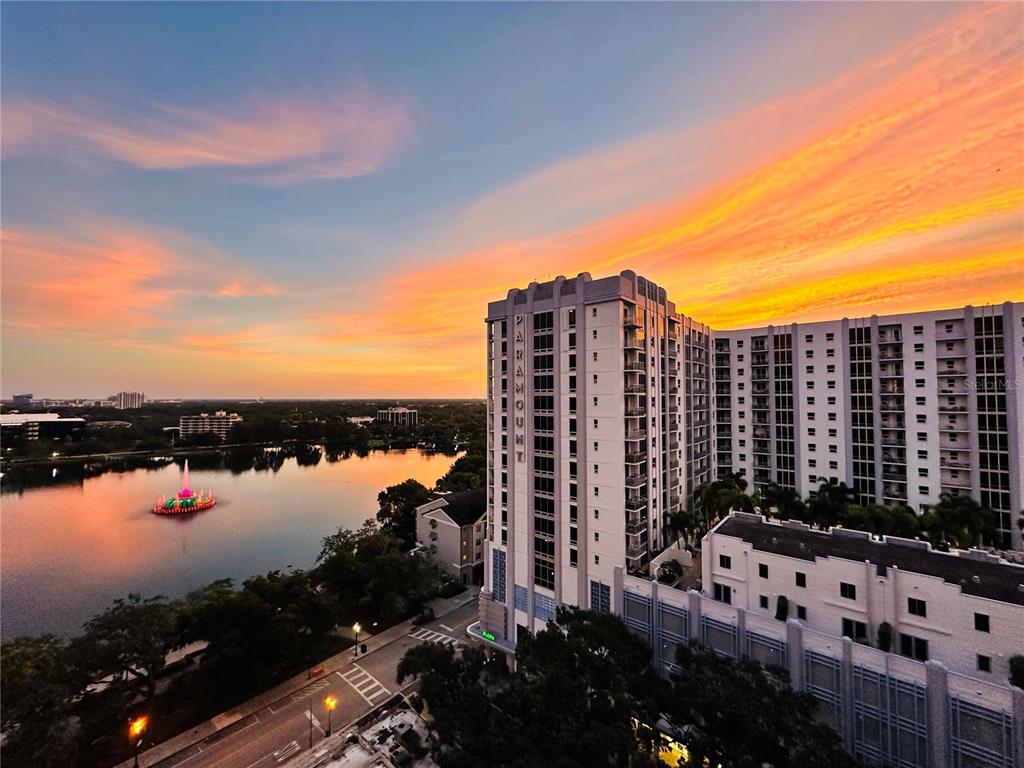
(446, 628)
(309, 690)
(287, 751)
(430, 636)
(316, 723)
(365, 684)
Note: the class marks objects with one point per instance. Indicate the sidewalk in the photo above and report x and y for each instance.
(217, 726)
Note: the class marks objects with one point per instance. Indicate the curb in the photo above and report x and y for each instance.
(237, 718)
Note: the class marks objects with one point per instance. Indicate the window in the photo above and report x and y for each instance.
(918, 330)
(597, 536)
(593, 312)
(723, 593)
(762, 570)
(763, 601)
(849, 591)
(724, 561)
(572, 317)
(801, 612)
(981, 622)
(597, 559)
(917, 607)
(984, 663)
(574, 558)
(914, 647)
(855, 630)
(801, 579)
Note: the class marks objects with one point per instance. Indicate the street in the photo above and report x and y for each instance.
(280, 731)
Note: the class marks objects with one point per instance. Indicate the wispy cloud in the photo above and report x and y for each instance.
(279, 139)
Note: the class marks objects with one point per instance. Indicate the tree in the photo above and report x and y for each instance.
(371, 577)
(583, 692)
(959, 521)
(785, 502)
(397, 512)
(882, 520)
(1017, 670)
(720, 497)
(468, 472)
(682, 523)
(830, 505)
(740, 714)
(131, 639)
(39, 687)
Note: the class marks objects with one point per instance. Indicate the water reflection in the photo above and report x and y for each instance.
(73, 542)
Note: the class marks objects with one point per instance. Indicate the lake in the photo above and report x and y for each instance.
(70, 546)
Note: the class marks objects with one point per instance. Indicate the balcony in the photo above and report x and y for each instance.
(636, 503)
(632, 413)
(956, 408)
(636, 551)
(636, 527)
(959, 480)
(636, 458)
(629, 320)
(635, 389)
(893, 439)
(636, 481)
(953, 463)
(636, 434)
(634, 364)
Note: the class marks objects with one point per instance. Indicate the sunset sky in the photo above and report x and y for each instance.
(318, 200)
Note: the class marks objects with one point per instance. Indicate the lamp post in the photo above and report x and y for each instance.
(330, 702)
(357, 629)
(135, 729)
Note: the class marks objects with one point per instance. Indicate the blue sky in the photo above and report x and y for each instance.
(258, 173)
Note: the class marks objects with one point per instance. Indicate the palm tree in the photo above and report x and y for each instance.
(831, 505)
(785, 501)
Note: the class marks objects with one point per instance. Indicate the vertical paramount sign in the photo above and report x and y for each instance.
(520, 388)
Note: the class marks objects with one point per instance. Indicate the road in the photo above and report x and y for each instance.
(280, 731)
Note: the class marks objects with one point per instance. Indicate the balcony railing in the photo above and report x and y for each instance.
(636, 434)
(636, 457)
(636, 481)
(636, 503)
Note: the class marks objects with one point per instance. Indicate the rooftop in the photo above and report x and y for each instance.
(466, 507)
(975, 572)
(17, 419)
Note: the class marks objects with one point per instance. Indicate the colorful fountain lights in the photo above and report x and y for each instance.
(187, 500)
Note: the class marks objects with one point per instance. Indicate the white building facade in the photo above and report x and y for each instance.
(218, 423)
(902, 408)
(127, 400)
(399, 416)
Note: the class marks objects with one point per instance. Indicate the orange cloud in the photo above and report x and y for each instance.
(897, 186)
(279, 140)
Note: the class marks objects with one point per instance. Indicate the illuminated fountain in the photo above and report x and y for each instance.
(187, 500)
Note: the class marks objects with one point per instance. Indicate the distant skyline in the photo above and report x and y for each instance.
(317, 200)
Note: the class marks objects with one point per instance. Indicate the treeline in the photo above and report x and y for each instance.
(53, 713)
(585, 695)
(443, 426)
(957, 521)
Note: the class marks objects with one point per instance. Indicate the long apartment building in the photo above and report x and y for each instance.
(598, 429)
(902, 408)
(608, 409)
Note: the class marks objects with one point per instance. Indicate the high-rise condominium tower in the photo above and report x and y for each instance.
(602, 423)
(598, 430)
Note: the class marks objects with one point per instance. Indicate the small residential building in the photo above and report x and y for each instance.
(451, 527)
(399, 416)
(218, 423)
(127, 400)
(22, 401)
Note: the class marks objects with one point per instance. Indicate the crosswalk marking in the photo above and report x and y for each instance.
(430, 636)
(287, 751)
(365, 684)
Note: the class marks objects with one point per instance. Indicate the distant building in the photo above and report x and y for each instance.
(399, 416)
(126, 400)
(36, 426)
(360, 421)
(219, 423)
(451, 526)
(22, 400)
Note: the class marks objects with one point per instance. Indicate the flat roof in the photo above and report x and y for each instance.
(17, 419)
(995, 580)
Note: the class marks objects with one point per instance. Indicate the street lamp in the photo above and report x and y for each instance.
(357, 629)
(135, 729)
(330, 702)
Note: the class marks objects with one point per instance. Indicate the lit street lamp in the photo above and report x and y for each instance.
(357, 629)
(330, 702)
(135, 729)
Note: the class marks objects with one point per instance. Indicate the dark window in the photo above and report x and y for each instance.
(764, 601)
(914, 647)
(762, 570)
(724, 561)
(801, 612)
(855, 630)
(984, 663)
(917, 607)
(849, 591)
(723, 594)
(981, 622)
(801, 579)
